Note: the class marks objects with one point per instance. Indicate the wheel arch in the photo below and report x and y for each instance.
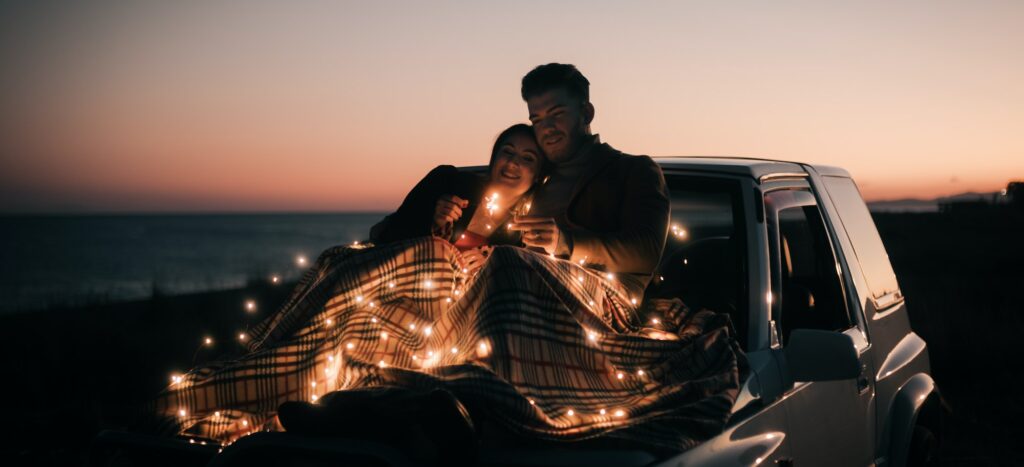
(918, 397)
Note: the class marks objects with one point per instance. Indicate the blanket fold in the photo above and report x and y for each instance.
(547, 348)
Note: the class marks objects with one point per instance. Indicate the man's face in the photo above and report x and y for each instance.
(560, 123)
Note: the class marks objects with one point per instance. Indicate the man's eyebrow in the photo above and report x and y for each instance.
(549, 110)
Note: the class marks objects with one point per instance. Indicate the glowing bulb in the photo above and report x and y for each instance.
(591, 303)
(571, 412)
(350, 346)
(355, 243)
(191, 441)
(429, 284)
(655, 321)
(633, 301)
(448, 300)
(620, 375)
(582, 261)
(382, 364)
(359, 298)
(250, 305)
(455, 350)
(768, 297)
(603, 411)
(412, 326)
(313, 398)
(592, 336)
(301, 260)
(391, 285)
(430, 353)
(532, 402)
(181, 413)
(488, 226)
(312, 383)
(610, 276)
(620, 413)
(373, 319)
(175, 379)
(208, 341)
(216, 414)
(245, 422)
(428, 330)
(384, 335)
(330, 321)
(372, 304)
(275, 279)
(686, 261)
(458, 292)
(639, 372)
(492, 205)
(465, 270)
(580, 278)
(330, 358)
(241, 336)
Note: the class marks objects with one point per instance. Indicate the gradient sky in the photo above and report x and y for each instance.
(302, 105)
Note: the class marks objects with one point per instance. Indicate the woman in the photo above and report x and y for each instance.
(469, 210)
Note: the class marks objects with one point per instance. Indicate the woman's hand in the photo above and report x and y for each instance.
(448, 210)
(474, 258)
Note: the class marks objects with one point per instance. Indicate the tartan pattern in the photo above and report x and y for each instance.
(527, 338)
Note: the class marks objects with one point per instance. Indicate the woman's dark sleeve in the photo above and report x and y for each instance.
(415, 217)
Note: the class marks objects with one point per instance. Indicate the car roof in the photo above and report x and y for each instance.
(755, 168)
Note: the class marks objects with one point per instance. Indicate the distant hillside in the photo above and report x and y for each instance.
(925, 205)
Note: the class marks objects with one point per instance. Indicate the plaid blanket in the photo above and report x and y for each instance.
(552, 350)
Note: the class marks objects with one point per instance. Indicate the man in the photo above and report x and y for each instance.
(607, 209)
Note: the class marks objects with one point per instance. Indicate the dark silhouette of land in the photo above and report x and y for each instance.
(69, 373)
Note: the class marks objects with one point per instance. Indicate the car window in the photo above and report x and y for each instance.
(860, 228)
(804, 274)
(704, 263)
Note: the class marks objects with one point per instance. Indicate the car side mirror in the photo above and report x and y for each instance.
(814, 355)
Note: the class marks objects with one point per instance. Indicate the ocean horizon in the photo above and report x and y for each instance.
(78, 259)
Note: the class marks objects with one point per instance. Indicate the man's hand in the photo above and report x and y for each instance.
(448, 210)
(540, 232)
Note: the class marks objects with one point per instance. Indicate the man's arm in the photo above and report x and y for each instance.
(637, 246)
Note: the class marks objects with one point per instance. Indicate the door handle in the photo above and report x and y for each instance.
(862, 380)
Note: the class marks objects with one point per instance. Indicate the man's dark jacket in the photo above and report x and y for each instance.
(618, 216)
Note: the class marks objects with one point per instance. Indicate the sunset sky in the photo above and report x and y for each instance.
(332, 106)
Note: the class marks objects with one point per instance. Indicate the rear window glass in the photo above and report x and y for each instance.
(860, 227)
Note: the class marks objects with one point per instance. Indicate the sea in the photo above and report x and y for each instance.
(56, 261)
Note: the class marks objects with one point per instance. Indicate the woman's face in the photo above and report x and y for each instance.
(516, 164)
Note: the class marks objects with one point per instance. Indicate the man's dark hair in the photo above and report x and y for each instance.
(553, 76)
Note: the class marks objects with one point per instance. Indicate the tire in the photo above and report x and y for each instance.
(924, 448)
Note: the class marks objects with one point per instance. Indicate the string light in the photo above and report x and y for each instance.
(571, 412)
(592, 336)
(330, 321)
(391, 285)
(620, 375)
(208, 341)
(373, 320)
(412, 326)
(245, 422)
(182, 413)
(603, 411)
(382, 364)
(241, 336)
(216, 414)
(610, 276)
(620, 413)
(428, 330)
(655, 321)
(591, 303)
(633, 301)
(384, 335)
(301, 260)
(532, 402)
(640, 372)
(313, 398)
(250, 305)
(350, 346)
(455, 350)
(275, 279)
(428, 284)
(492, 205)
(175, 379)
(359, 298)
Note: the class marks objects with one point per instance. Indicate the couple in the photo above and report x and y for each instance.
(590, 203)
(443, 326)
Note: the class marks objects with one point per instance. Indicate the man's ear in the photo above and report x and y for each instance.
(588, 113)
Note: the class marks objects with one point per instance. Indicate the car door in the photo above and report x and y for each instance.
(831, 422)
